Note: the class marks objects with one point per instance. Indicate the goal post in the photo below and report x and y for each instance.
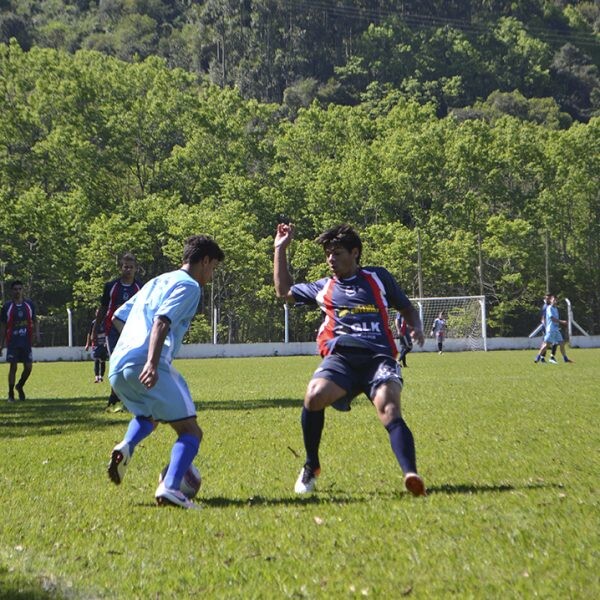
(465, 319)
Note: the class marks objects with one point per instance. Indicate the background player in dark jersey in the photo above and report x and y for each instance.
(356, 344)
(99, 350)
(115, 293)
(18, 326)
(404, 338)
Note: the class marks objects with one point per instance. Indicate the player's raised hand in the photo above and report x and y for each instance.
(284, 235)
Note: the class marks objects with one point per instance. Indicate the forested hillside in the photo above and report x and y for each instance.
(452, 53)
(403, 125)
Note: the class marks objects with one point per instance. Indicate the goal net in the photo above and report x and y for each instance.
(465, 320)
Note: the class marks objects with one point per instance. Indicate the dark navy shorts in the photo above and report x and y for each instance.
(100, 353)
(19, 355)
(357, 372)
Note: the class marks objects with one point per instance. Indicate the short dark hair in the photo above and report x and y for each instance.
(199, 246)
(128, 256)
(15, 283)
(341, 235)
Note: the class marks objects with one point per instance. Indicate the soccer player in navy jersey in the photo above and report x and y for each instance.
(99, 350)
(116, 292)
(18, 326)
(356, 344)
(403, 337)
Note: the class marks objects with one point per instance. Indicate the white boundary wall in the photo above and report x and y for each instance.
(78, 353)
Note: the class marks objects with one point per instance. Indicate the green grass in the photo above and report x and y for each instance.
(509, 451)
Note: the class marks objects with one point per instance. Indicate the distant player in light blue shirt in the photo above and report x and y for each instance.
(553, 337)
(141, 372)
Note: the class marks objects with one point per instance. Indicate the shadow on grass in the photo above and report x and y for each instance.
(251, 404)
(326, 497)
(50, 416)
(223, 502)
(14, 586)
(472, 488)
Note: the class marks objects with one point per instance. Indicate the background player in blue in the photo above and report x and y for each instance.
(356, 344)
(18, 326)
(115, 293)
(155, 321)
(553, 337)
(542, 316)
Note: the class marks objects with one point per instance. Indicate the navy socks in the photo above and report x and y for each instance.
(403, 445)
(312, 428)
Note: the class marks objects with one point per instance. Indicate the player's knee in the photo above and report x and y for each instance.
(316, 396)
(388, 407)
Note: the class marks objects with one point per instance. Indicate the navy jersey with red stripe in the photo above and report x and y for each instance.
(356, 310)
(116, 293)
(19, 320)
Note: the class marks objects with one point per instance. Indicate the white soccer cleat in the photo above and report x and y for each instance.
(167, 497)
(415, 484)
(307, 480)
(552, 361)
(119, 459)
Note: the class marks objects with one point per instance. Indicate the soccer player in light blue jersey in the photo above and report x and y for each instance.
(553, 337)
(153, 323)
(356, 344)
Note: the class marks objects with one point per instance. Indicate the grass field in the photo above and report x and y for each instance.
(509, 450)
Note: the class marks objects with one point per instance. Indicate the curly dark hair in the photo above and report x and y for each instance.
(341, 235)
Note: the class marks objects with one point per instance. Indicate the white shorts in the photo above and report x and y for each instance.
(169, 400)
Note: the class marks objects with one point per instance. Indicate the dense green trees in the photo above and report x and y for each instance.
(450, 53)
(99, 156)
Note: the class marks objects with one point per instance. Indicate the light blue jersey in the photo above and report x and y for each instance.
(553, 333)
(173, 295)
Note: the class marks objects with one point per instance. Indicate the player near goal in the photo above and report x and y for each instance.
(404, 338)
(141, 371)
(438, 329)
(356, 344)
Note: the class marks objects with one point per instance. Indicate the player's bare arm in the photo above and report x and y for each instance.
(414, 323)
(281, 274)
(160, 329)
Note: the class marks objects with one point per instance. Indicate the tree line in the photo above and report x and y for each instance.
(99, 156)
(453, 54)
